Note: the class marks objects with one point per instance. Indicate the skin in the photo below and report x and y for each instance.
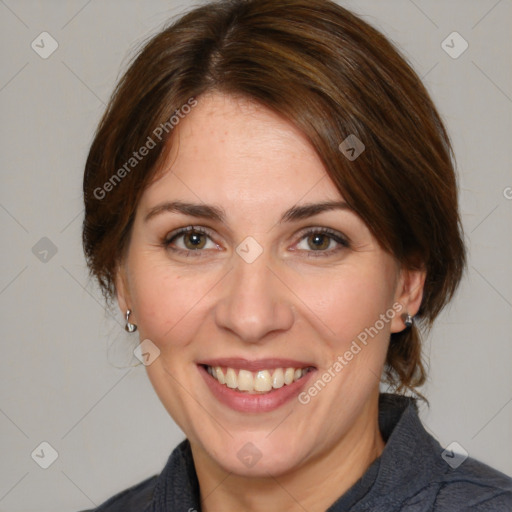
(290, 302)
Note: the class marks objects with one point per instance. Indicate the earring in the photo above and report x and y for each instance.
(129, 327)
(408, 320)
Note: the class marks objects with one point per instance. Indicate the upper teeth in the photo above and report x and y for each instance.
(261, 381)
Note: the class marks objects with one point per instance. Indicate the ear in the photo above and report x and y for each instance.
(409, 294)
(123, 290)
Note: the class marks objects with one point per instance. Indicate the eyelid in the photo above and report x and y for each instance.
(323, 230)
(187, 229)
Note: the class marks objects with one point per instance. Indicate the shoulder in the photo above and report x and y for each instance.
(474, 486)
(416, 475)
(134, 499)
(471, 487)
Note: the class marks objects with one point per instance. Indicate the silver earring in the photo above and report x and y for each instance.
(129, 327)
(408, 320)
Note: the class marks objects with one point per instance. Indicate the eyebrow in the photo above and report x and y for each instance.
(215, 213)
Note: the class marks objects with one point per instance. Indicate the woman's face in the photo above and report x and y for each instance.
(230, 266)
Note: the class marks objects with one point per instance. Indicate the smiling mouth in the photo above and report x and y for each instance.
(256, 382)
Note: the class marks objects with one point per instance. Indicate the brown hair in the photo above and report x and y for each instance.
(331, 75)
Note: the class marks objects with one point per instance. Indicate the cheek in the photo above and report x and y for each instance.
(349, 300)
(165, 302)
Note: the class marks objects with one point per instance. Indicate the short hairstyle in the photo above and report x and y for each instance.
(332, 76)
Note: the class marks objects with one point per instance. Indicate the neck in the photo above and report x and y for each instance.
(313, 486)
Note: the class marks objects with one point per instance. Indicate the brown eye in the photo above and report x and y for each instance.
(322, 242)
(319, 242)
(191, 241)
(194, 240)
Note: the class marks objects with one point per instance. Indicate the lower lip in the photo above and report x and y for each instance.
(246, 402)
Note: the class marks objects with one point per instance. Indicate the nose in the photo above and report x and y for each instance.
(254, 302)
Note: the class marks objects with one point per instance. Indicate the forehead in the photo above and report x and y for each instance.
(232, 151)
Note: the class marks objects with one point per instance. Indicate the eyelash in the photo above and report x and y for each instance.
(333, 235)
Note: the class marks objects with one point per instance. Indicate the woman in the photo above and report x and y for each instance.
(270, 196)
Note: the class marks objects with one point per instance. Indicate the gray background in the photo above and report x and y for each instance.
(65, 366)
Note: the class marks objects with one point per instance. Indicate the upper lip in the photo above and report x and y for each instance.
(256, 364)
